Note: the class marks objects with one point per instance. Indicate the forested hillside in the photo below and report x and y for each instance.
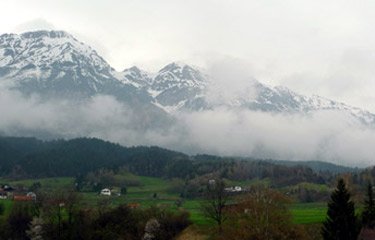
(35, 158)
(30, 157)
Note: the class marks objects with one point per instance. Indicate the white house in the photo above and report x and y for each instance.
(233, 189)
(105, 191)
(32, 195)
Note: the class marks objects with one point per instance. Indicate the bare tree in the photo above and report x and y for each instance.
(215, 200)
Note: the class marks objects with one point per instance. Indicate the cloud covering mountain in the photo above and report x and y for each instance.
(53, 85)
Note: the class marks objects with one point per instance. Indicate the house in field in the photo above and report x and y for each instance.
(234, 189)
(105, 192)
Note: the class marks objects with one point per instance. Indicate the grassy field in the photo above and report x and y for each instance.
(156, 192)
(307, 213)
(47, 183)
(7, 206)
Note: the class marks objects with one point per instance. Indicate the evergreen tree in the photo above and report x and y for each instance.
(341, 220)
(368, 215)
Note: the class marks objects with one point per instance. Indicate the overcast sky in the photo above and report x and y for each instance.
(313, 47)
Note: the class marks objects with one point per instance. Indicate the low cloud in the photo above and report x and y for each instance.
(332, 136)
(34, 25)
(230, 78)
(349, 78)
(324, 135)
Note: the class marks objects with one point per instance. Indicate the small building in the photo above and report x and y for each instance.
(32, 195)
(233, 189)
(105, 192)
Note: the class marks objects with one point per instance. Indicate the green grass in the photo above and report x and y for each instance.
(311, 186)
(196, 215)
(143, 193)
(7, 206)
(307, 213)
(47, 183)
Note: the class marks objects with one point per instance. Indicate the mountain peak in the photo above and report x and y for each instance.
(52, 61)
(174, 66)
(134, 76)
(176, 71)
(43, 48)
(133, 69)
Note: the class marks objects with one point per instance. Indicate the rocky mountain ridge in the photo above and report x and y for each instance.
(55, 64)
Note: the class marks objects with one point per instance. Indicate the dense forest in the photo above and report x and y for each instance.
(35, 158)
(30, 157)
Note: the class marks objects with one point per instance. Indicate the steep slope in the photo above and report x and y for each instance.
(176, 86)
(55, 64)
(179, 87)
(134, 76)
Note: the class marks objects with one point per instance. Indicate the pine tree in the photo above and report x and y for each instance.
(341, 220)
(368, 215)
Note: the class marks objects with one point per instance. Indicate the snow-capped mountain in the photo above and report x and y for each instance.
(176, 92)
(134, 76)
(179, 87)
(55, 64)
(175, 87)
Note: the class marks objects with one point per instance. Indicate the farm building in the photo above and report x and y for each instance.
(105, 192)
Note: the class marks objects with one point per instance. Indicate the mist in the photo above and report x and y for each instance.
(332, 136)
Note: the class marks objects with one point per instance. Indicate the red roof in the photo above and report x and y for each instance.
(22, 198)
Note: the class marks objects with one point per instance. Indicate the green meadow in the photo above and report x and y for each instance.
(157, 192)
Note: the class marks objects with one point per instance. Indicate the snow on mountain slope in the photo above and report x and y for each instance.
(46, 55)
(43, 48)
(179, 87)
(176, 86)
(54, 63)
(134, 76)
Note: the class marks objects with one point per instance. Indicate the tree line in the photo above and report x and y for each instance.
(30, 157)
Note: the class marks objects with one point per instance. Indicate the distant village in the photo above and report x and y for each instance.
(16, 194)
